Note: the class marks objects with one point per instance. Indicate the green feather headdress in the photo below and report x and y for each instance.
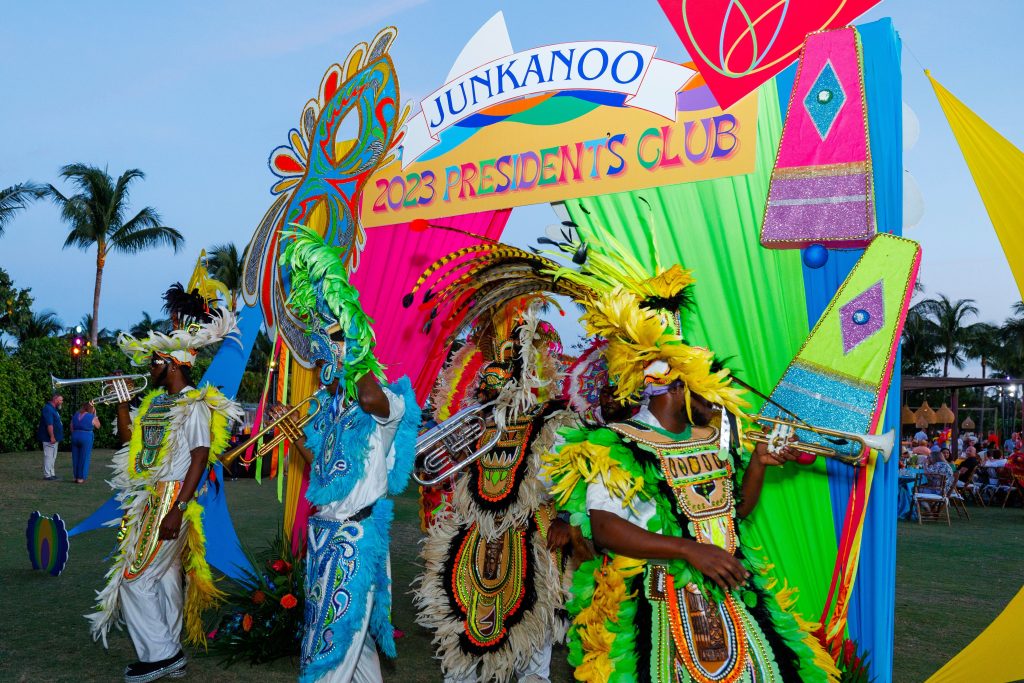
(325, 300)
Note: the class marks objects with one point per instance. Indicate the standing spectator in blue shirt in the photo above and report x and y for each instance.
(50, 433)
(82, 424)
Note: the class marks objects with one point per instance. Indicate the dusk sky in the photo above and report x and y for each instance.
(196, 95)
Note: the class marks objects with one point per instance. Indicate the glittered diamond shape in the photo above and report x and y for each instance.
(868, 304)
(825, 100)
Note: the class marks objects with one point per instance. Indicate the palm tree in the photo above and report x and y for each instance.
(948, 318)
(16, 198)
(918, 343)
(147, 324)
(40, 324)
(983, 343)
(98, 217)
(225, 264)
(1010, 358)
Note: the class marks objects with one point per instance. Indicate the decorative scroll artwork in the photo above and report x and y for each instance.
(821, 190)
(349, 129)
(737, 45)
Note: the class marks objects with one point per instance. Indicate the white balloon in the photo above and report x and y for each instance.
(911, 128)
(913, 201)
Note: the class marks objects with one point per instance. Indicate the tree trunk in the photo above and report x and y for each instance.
(945, 361)
(95, 329)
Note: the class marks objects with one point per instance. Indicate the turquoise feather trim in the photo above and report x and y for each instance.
(370, 577)
(333, 475)
(381, 628)
(405, 438)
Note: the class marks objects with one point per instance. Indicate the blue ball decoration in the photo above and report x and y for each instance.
(861, 317)
(815, 256)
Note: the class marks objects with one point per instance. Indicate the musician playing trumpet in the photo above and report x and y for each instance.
(673, 595)
(169, 443)
(360, 446)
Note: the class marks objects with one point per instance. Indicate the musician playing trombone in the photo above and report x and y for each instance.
(360, 445)
(170, 441)
(674, 594)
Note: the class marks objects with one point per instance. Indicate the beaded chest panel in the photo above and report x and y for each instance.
(489, 583)
(701, 477)
(154, 425)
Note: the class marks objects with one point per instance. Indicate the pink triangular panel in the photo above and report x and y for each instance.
(821, 191)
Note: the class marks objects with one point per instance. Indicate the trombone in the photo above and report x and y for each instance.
(116, 388)
(451, 446)
(883, 443)
(286, 429)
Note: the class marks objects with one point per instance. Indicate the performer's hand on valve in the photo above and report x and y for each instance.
(777, 451)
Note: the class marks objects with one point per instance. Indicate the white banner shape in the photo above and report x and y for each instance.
(627, 68)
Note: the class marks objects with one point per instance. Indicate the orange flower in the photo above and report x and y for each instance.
(259, 597)
(289, 601)
(247, 623)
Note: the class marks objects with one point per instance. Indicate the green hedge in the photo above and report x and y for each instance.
(25, 386)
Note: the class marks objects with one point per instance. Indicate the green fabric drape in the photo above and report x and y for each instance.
(750, 311)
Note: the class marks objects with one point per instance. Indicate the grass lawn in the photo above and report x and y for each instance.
(951, 583)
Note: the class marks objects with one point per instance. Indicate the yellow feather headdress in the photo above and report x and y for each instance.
(638, 311)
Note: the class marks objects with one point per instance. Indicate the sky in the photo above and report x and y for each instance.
(196, 94)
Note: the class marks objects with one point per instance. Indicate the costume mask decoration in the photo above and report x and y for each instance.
(321, 175)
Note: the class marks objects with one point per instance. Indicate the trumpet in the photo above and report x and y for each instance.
(116, 388)
(857, 455)
(451, 446)
(286, 429)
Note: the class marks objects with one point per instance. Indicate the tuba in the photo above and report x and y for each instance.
(451, 446)
(851, 449)
(116, 388)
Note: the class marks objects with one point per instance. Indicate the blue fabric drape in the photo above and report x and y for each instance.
(871, 614)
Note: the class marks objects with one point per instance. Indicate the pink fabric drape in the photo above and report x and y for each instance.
(392, 261)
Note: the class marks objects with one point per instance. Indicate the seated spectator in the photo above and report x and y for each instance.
(968, 465)
(937, 464)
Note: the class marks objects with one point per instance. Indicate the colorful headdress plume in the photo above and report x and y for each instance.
(322, 297)
(197, 327)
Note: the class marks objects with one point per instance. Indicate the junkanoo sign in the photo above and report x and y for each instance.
(526, 148)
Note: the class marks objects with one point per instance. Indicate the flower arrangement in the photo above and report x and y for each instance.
(263, 613)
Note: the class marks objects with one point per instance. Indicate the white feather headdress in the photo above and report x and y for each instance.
(180, 345)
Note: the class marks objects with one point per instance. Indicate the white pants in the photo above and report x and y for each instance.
(537, 670)
(361, 663)
(152, 604)
(49, 459)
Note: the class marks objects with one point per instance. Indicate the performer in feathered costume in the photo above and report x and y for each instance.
(360, 446)
(490, 591)
(170, 440)
(675, 595)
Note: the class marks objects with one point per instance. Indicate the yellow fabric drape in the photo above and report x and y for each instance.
(989, 656)
(303, 383)
(997, 168)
